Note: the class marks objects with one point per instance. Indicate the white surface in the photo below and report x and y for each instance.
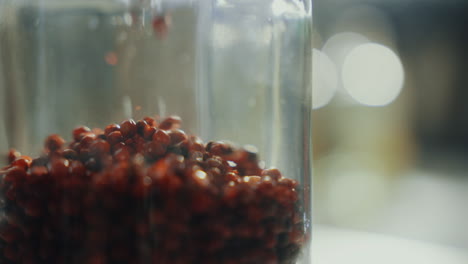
(333, 246)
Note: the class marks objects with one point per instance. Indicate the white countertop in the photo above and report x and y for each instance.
(335, 246)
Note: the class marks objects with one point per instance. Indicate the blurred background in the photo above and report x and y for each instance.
(391, 118)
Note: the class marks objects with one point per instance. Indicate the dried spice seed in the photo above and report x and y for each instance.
(154, 149)
(99, 147)
(54, 142)
(12, 155)
(219, 148)
(111, 128)
(77, 132)
(162, 137)
(172, 122)
(143, 190)
(87, 139)
(128, 128)
(59, 168)
(150, 121)
(114, 137)
(273, 173)
(141, 125)
(14, 174)
(70, 154)
(177, 136)
(148, 132)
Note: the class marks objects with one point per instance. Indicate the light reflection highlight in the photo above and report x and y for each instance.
(324, 79)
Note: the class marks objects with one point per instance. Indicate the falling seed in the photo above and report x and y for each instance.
(111, 58)
(161, 25)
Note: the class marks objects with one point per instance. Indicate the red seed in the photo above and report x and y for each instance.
(118, 146)
(15, 174)
(41, 161)
(122, 154)
(288, 182)
(77, 132)
(87, 139)
(119, 177)
(115, 137)
(154, 149)
(54, 142)
(129, 142)
(58, 168)
(13, 154)
(215, 162)
(219, 148)
(77, 169)
(195, 144)
(172, 122)
(161, 25)
(162, 137)
(99, 147)
(141, 124)
(70, 154)
(111, 128)
(296, 236)
(148, 132)
(38, 173)
(158, 170)
(150, 121)
(128, 128)
(127, 184)
(23, 162)
(274, 173)
(93, 164)
(75, 146)
(177, 136)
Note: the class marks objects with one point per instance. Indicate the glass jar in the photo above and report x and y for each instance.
(150, 131)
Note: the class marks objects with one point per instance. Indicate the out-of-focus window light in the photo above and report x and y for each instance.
(373, 74)
(339, 45)
(324, 79)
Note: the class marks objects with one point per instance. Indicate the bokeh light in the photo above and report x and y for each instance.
(339, 45)
(373, 74)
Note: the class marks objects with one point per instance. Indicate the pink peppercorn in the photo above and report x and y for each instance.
(128, 128)
(155, 187)
(54, 142)
(77, 132)
(162, 137)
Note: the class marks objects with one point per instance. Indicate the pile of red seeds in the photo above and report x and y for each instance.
(146, 192)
